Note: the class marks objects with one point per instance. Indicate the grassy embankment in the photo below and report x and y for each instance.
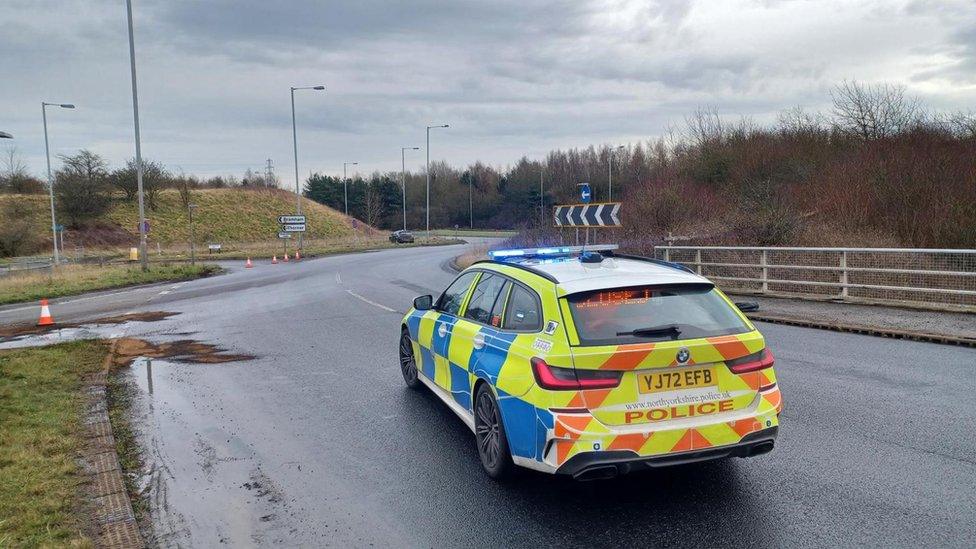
(76, 279)
(41, 410)
(244, 222)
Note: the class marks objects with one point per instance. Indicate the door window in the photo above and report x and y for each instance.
(450, 300)
(523, 311)
(483, 298)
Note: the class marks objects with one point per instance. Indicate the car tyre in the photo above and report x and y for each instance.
(408, 362)
(496, 458)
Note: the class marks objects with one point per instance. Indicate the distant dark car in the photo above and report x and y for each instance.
(401, 237)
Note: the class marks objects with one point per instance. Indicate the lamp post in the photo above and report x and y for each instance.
(613, 151)
(542, 200)
(294, 142)
(345, 184)
(50, 180)
(428, 175)
(143, 258)
(403, 181)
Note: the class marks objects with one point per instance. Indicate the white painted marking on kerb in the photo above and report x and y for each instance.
(375, 304)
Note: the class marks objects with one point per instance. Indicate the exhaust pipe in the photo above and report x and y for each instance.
(761, 448)
(603, 472)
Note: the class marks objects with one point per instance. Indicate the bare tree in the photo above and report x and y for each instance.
(154, 178)
(14, 177)
(372, 204)
(705, 126)
(81, 187)
(874, 111)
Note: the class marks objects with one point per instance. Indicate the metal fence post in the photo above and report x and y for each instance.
(765, 271)
(843, 275)
(667, 254)
(698, 261)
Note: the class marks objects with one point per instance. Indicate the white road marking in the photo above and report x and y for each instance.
(338, 278)
(164, 292)
(357, 296)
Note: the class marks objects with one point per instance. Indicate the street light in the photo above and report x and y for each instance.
(143, 257)
(294, 140)
(50, 181)
(428, 174)
(403, 181)
(345, 186)
(613, 151)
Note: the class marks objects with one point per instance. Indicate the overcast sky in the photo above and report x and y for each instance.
(511, 77)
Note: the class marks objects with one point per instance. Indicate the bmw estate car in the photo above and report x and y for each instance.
(591, 364)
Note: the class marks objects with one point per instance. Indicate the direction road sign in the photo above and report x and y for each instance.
(585, 193)
(284, 235)
(291, 219)
(293, 228)
(604, 214)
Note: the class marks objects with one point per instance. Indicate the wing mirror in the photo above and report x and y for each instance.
(423, 303)
(747, 306)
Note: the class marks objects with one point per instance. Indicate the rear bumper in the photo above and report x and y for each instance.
(608, 464)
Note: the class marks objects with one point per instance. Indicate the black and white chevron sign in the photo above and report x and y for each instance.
(606, 214)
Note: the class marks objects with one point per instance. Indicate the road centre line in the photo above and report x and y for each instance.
(375, 304)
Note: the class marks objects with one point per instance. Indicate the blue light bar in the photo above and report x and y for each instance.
(557, 251)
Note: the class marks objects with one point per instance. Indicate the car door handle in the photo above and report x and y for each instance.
(478, 341)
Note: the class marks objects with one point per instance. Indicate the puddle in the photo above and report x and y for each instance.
(12, 337)
(182, 350)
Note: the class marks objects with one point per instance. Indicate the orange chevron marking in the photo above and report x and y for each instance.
(775, 398)
(628, 357)
(595, 397)
(683, 444)
(698, 441)
(744, 426)
(577, 401)
(729, 346)
(632, 441)
(576, 423)
(563, 448)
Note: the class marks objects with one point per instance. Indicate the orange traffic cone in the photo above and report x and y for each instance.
(286, 258)
(274, 260)
(248, 265)
(298, 255)
(45, 319)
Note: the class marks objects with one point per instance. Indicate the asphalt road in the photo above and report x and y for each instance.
(317, 442)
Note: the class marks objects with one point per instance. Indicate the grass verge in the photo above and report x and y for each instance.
(120, 396)
(76, 279)
(41, 410)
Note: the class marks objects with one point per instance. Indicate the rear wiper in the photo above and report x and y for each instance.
(669, 329)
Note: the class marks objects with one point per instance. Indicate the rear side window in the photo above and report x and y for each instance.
(523, 311)
(483, 298)
(652, 313)
(499, 308)
(450, 300)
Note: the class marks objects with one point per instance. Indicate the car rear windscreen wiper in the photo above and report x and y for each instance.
(669, 329)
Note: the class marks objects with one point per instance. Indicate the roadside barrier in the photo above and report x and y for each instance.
(46, 318)
(922, 277)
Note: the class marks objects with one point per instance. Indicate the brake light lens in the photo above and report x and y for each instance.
(555, 378)
(750, 363)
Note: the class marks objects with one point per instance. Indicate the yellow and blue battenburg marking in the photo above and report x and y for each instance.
(549, 427)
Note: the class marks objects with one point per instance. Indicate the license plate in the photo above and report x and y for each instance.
(674, 380)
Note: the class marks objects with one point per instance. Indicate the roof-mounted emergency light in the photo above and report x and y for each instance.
(558, 251)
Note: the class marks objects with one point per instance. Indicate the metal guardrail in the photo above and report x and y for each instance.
(939, 278)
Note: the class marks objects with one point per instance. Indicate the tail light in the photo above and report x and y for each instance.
(569, 379)
(750, 363)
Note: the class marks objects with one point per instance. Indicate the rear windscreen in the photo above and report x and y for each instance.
(652, 313)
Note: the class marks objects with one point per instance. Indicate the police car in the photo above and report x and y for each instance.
(592, 364)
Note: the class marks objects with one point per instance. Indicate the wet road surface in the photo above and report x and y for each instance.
(315, 441)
